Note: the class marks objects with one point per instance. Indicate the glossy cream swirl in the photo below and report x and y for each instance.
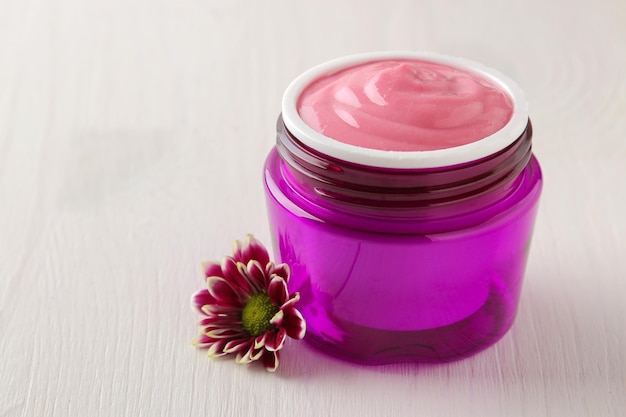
(404, 105)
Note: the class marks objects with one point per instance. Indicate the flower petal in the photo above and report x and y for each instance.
(251, 249)
(277, 320)
(207, 321)
(277, 291)
(292, 301)
(238, 345)
(256, 354)
(220, 326)
(201, 298)
(212, 269)
(228, 333)
(276, 340)
(259, 341)
(282, 270)
(214, 309)
(202, 341)
(270, 360)
(217, 349)
(220, 320)
(257, 275)
(294, 323)
(229, 267)
(214, 321)
(234, 275)
(256, 282)
(250, 355)
(223, 292)
(243, 356)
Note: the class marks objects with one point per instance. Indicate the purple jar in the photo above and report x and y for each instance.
(403, 256)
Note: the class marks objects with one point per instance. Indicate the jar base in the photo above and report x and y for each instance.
(370, 346)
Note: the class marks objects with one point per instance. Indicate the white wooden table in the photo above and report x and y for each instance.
(132, 139)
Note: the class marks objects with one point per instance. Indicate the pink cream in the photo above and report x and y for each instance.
(404, 105)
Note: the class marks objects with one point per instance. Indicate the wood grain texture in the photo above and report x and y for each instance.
(132, 139)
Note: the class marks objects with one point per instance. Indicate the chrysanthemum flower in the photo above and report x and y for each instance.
(247, 307)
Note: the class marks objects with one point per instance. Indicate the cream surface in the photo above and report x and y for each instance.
(404, 105)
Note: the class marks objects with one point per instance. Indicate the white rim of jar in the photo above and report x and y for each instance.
(404, 159)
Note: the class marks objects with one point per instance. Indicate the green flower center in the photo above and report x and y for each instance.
(257, 314)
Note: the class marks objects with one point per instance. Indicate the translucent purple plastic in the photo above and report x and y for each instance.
(403, 265)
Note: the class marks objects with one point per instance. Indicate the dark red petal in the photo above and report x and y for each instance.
(271, 360)
(233, 275)
(256, 272)
(203, 341)
(223, 292)
(207, 320)
(243, 356)
(212, 269)
(276, 339)
(238, 345)
(238, 252)
(282, 270)
(277, 291)
(292, 301)
(215, 321)
(251, 249)
(256, 354)
(294, 323)
(229, 268)
(214, 309)
(228, 333)
(221, 325)
(245, 287)
(237, 248)
(250, 355)
(259, 341)
(255, 285)
(201, 298)
(277, 320)
(233, 319)
(217, 348)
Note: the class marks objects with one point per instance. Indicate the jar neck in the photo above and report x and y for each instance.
(342, 184)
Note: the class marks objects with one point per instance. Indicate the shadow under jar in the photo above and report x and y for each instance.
(403, 255)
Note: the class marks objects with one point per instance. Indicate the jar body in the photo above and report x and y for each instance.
(375, 297)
